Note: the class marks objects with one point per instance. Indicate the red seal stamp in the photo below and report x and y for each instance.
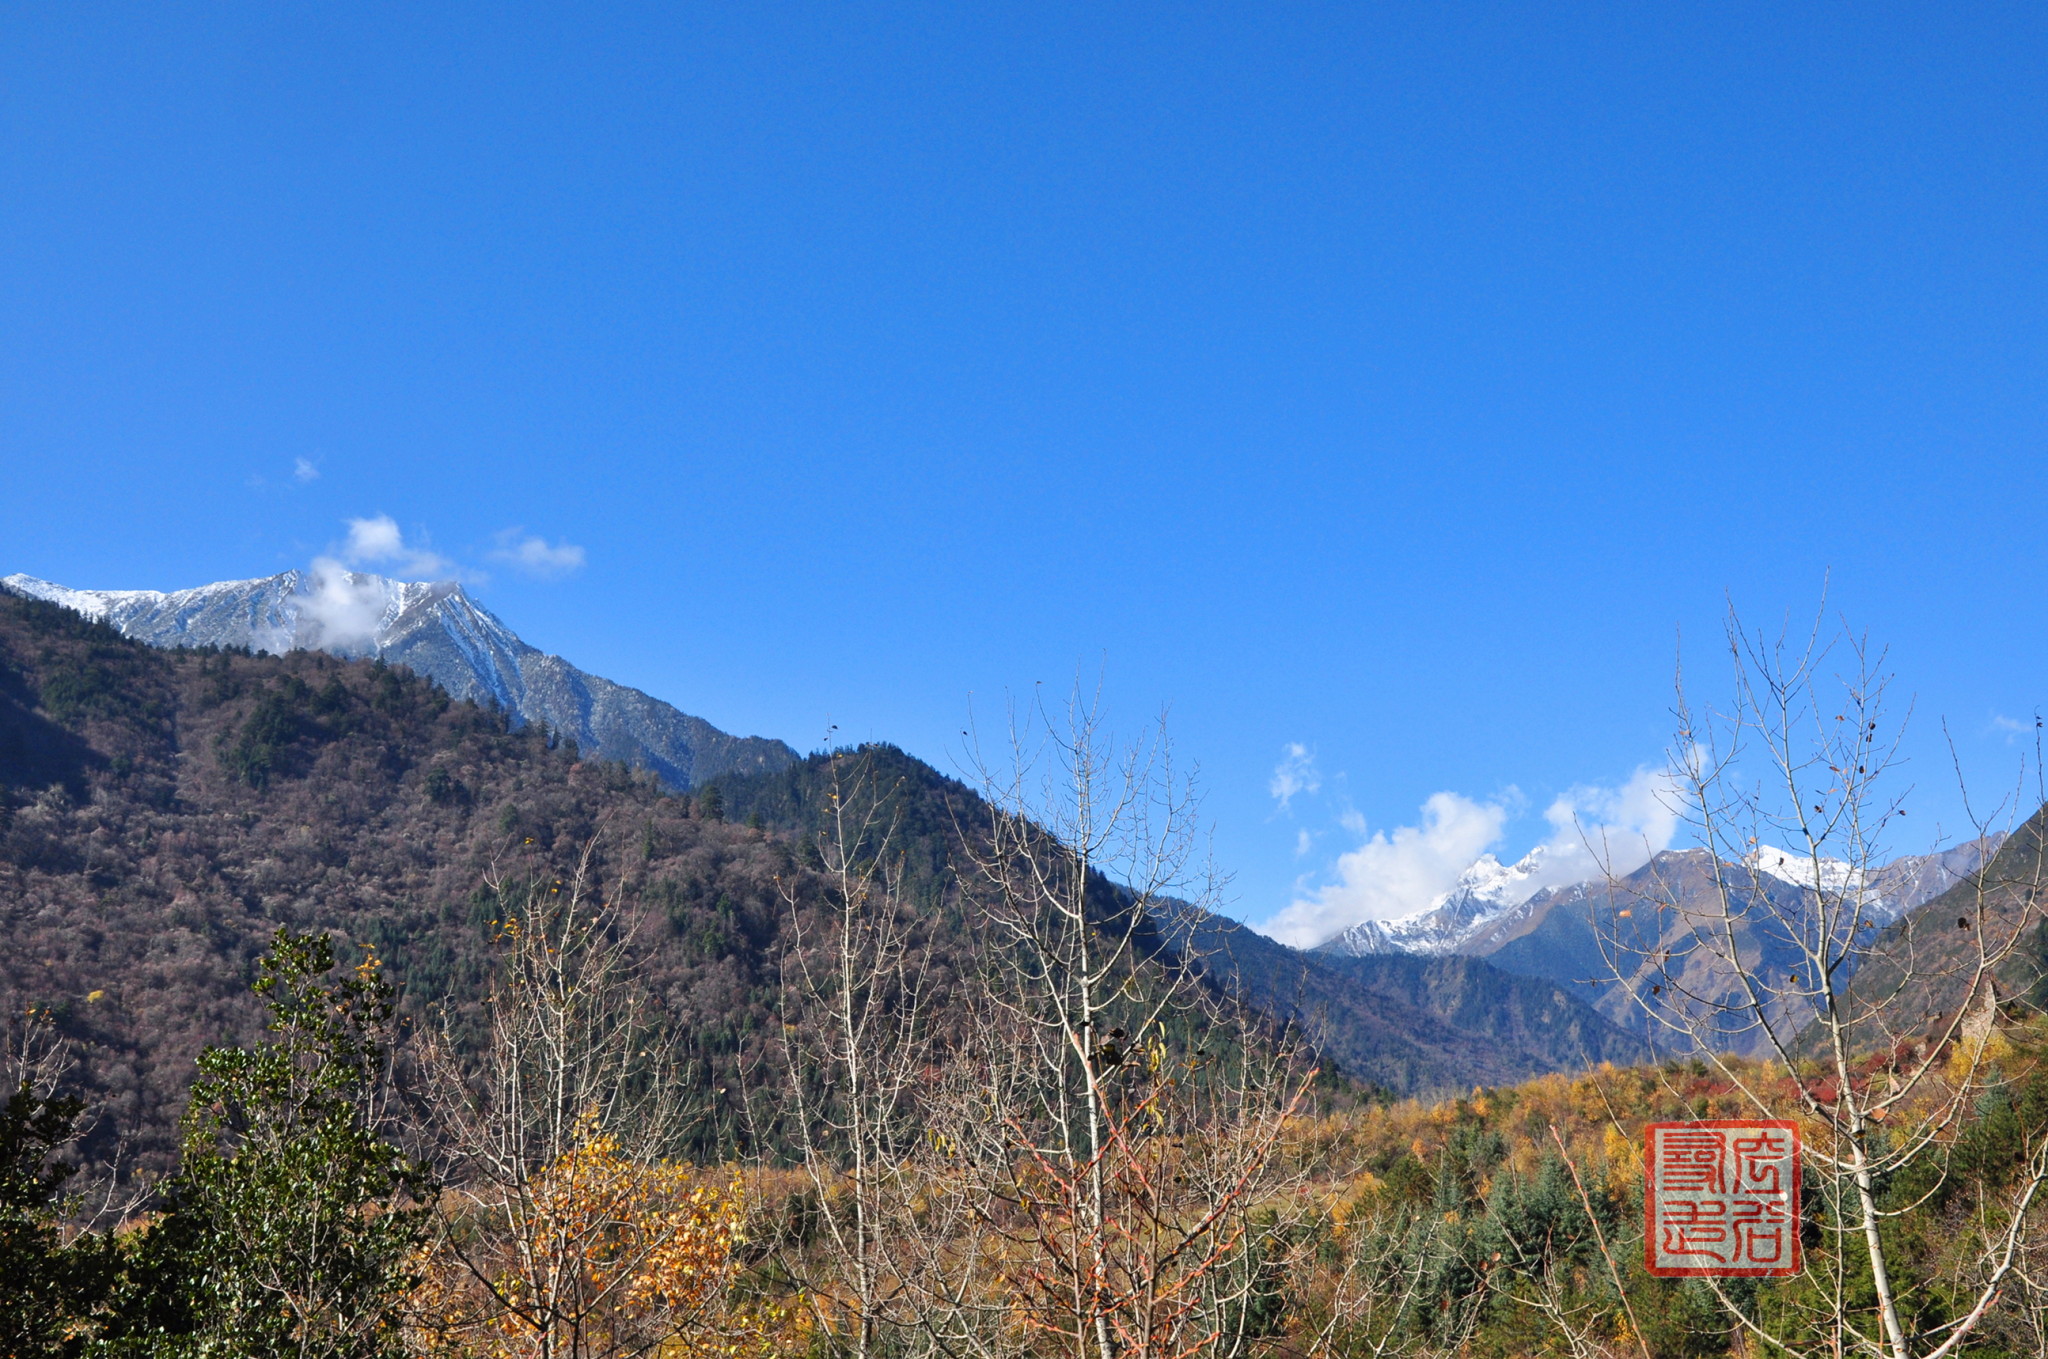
(1721, 1197)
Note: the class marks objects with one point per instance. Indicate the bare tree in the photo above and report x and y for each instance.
(855, 1058)
(567, 1229)
(1878, 1039)
(1114, 1127)
(36, 1060)
(34, 1056)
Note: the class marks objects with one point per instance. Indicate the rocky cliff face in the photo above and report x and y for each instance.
(435, 629)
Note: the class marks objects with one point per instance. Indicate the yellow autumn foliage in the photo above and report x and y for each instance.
(604, 1255)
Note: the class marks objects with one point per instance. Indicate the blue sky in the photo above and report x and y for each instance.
(1394, 382)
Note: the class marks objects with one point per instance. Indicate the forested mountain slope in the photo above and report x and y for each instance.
(1405, 1024)
(162, 813)
(1921, 969)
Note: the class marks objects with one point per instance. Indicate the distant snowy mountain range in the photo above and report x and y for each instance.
(437, 630)
(1595, 938)
(1492, 903)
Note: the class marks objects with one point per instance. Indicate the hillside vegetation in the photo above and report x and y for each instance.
(162, 813)
(429, 1037)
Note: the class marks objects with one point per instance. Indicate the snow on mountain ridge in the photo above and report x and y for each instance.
(1483, 892)
(258, 609)
(1490, 902)
(1800, 870)
(1887, 892)
(437, 630)
(285, 612)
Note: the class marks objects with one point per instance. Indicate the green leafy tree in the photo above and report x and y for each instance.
(293, 1219)
(51, 1287)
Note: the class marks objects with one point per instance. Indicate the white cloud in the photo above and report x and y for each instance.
(339, 610)
(1303, 842)
(377, 541)
(1296, 773)
(1594, 831)
(1394, 874)
(535, 555)
(374, 539)
(304, 470)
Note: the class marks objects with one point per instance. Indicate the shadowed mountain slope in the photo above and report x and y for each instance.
(1622, 944)
(1420, 1024)
(1634, 941)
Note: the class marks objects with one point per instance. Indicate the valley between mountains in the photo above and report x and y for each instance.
(183, 773)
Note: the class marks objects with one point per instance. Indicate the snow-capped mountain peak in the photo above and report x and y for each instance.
(1887, 892)
(437, 630)
(350, 613)
(1485, 890)
(1801, 870)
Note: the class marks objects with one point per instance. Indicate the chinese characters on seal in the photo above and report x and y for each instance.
(1721, 1196)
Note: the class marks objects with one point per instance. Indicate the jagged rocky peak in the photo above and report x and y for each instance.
(1485, 890)
(436, 629)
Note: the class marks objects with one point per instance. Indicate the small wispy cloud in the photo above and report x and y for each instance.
(1303, 842)
(378, 541)
(1295, 774)
(304, 470)
(2012, 728)
(535, 555)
